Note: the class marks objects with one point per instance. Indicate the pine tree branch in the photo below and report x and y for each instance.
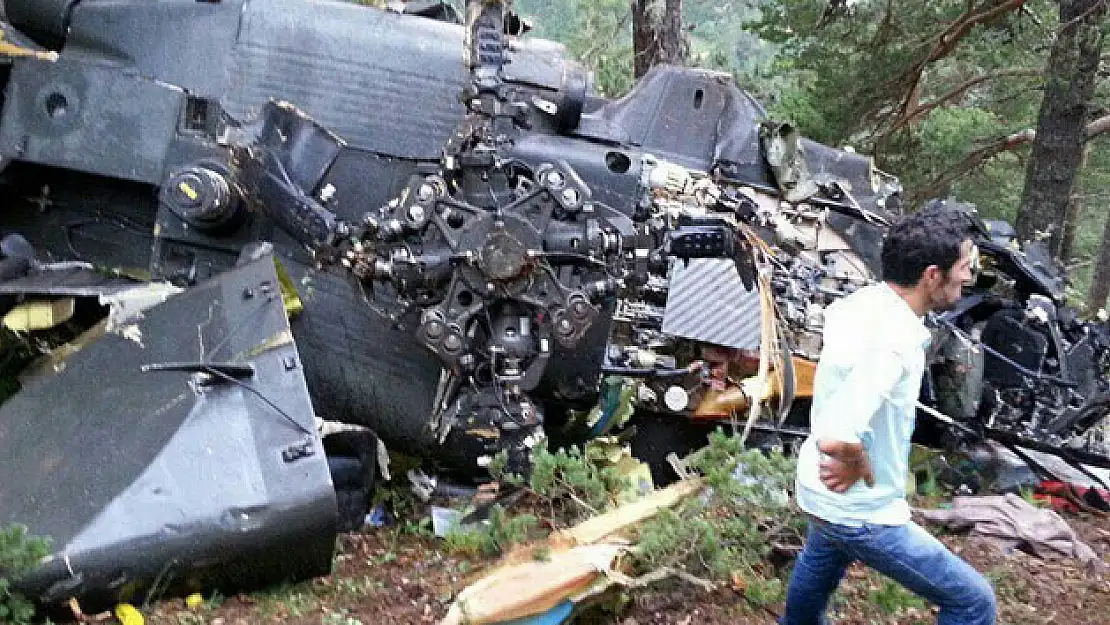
(885, 27)
(604, 42)
(1006, 144)
(945, 42)
(973, 161)
(956, 92)
(1098, 127)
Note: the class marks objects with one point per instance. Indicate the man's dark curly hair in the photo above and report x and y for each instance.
(931, 237)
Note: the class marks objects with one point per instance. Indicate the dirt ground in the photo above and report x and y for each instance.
(391, 576)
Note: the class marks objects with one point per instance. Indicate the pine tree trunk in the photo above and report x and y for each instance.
(656, 33)
(1061, 126)
(1073, 215)
(1100, 281)
(1071, 224)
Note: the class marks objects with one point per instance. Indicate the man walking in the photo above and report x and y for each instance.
(852, 469)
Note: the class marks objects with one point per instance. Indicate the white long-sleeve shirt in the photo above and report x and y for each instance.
(865, 390)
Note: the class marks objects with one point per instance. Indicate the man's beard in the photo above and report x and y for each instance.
(940, 302)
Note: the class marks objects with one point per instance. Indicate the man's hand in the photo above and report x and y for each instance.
(845, 464)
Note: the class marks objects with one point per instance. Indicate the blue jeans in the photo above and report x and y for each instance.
(905, 553)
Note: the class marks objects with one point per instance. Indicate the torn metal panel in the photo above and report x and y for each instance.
(126, 305)
(212, 474)
(55, 360)
(75, 281)
(14, 44)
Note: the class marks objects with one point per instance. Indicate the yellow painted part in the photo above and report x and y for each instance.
(721, 404)
(10, 49)
(804, 373)
(127, 614)
(289, 296)
(188, 190)
(194, 601)
(39, 314)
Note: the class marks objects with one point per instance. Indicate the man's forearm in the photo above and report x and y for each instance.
(846, 464)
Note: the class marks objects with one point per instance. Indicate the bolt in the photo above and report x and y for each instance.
(570, 196)
(425, 192)
(564, 327)
(579, 308)
(555, 180)
(248, 293)
(434, 329)
(416, 213)
(452, 343)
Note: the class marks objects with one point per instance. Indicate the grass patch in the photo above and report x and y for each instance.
(494, 538)
(287, 600)
(890, 597)
(339, 617)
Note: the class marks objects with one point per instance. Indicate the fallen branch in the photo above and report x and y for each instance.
(599, 527)
(975, 159)
(659, 575)
(578, 500)
(578, 559)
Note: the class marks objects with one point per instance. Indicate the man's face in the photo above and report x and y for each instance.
(944, 288)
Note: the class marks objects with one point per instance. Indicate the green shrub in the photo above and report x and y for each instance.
(730, 532)
(19, 551)
(571, 484)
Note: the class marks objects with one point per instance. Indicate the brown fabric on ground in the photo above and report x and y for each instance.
(1014, 522)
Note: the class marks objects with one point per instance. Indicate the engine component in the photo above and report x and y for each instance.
(280, 169)
(497, 265)
(1009, 333)
(202, 196)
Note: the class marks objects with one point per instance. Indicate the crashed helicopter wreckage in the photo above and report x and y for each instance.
(462, 287)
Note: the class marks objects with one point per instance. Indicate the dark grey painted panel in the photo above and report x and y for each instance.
(142, 475)
(89, 117)
(186, 44)
(398, 96)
